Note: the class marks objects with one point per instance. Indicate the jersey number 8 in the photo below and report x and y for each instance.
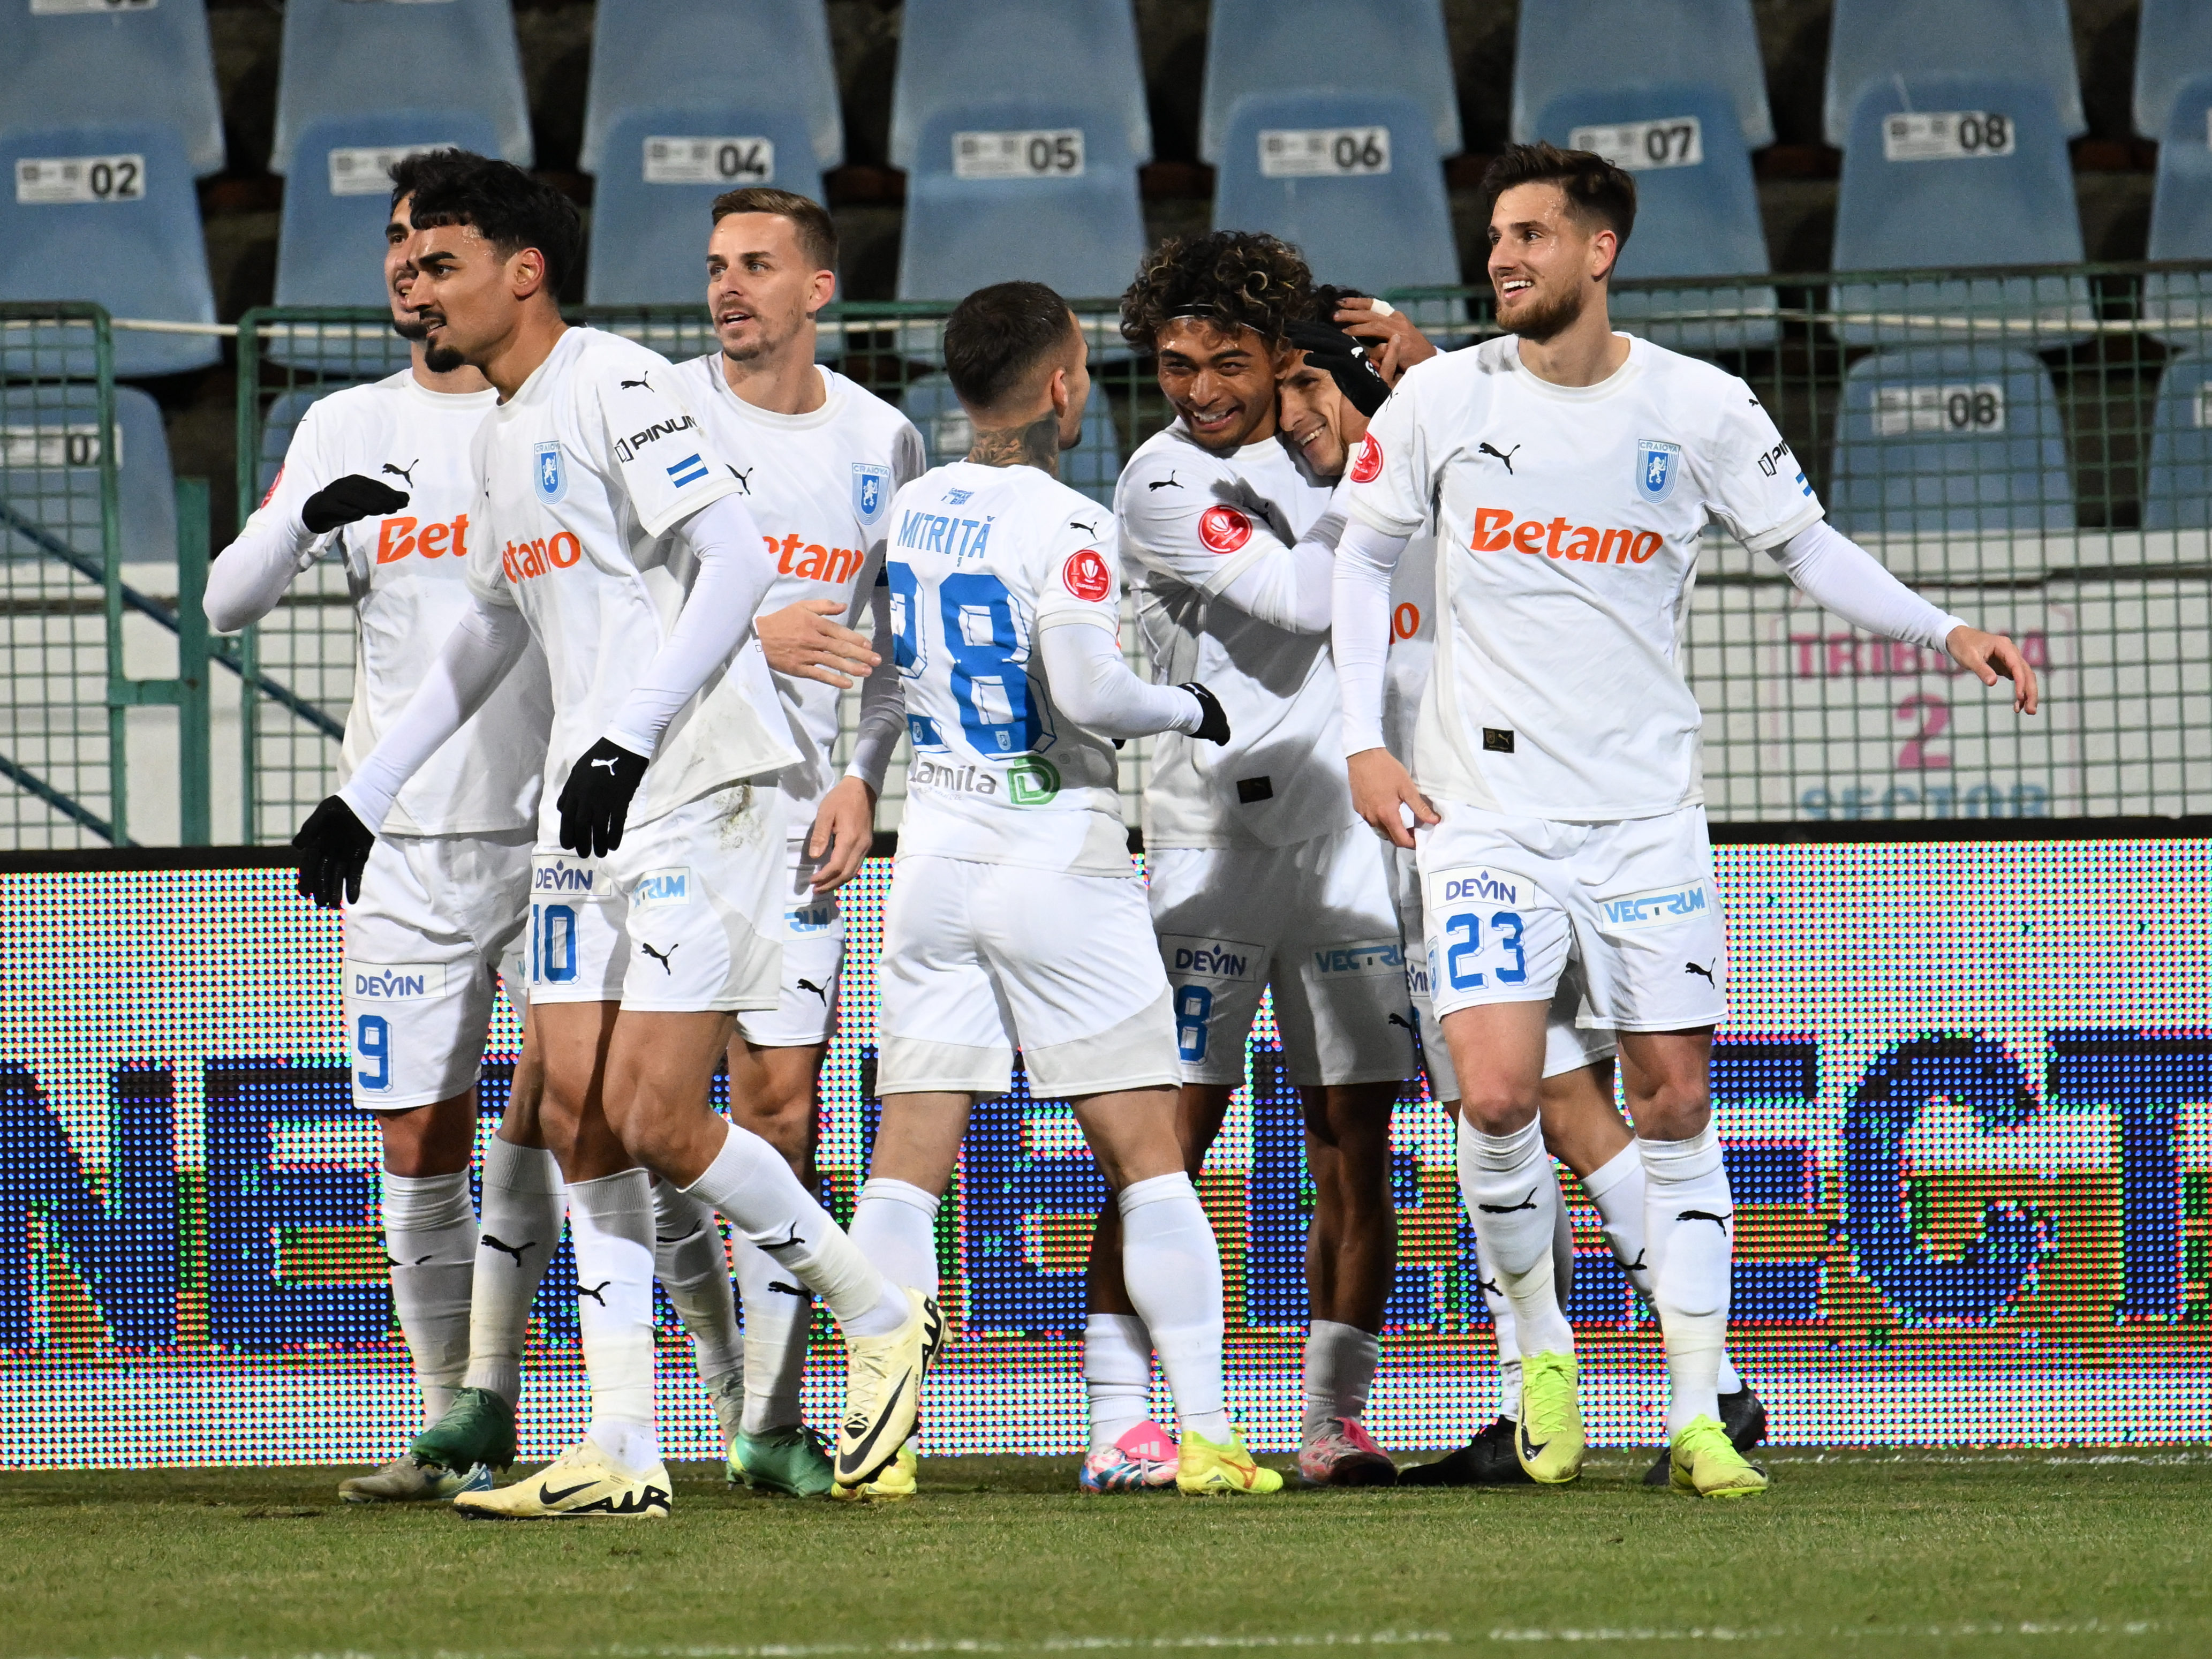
(983, 639)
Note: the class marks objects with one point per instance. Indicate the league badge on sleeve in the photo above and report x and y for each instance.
(871, 491)
(1658, 462)
(1086, 577)
(1367, 465)
(550, 481)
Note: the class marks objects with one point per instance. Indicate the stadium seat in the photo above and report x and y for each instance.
(2174, 46)
(1990, 195)
(113, 64)
(1076, 226)
(330, 249)
(1353, 181)
(1872, 42)
(340, 58)
(659, 172)
(948, 49)
(704, 54)
(1565, 47)
(1092, 466)
(2177, 306)
(1949, 440)
(2177, 493)
(1696, 209)
(119, 225)
(52, 476)
(1328, 45)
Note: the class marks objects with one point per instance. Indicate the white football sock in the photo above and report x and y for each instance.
(1691, 1225)
(430, 1234)
(750, 1183)
(1340, 1370)
(778, 1316)
(611, 1223)
(523, 1201)
(1117, 1375)
(1617, 1187)
(1513, 1198)
(1730, 1381)
(1172, 1267)
(1508, 1344)
(688, 1259)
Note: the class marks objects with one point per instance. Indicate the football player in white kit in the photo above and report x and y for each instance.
(613, 534)
(1557, 812)
(821, 458)
(1016, 920)
(1260, 872)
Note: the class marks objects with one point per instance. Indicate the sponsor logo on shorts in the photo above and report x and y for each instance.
(555, 877)
(395, 982)
(1662, 907)
(1190, 958)
(1381, 955)
(812, 920)
(1480, 886)
(1417, 976)
(661, 890)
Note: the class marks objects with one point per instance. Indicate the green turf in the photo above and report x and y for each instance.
(1862, 1553)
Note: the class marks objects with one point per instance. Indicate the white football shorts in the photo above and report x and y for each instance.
(813, 934)
(681, 918)
(1568, 1047)
(982, 959)
(439, 919)
(1316, 921)
(1509, 902)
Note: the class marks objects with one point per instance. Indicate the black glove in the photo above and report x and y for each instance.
(347, 499)
(333, 851)
(595, 801)
(1213, 724)
(1330, 348)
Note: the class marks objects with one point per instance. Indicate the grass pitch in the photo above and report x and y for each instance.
(1870, 1554)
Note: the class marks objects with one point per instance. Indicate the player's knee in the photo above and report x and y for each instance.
(1671, 1108)
(1495, 1106)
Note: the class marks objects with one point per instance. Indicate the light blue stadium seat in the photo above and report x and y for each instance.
(1328, 45)
(2177, 494)
(2014, 208)
(1693, 219)
(952, 51)
(1872, 42)
(282, 420)
(2177, 305)
(55, 425)
(706, 54)
(2174, 46)
(119, 64)
(1368, 230)
(342, 57)
(330, 250)
(1949, 440)
(1092, 467)
(137, 250)
(1563, 48)
(1080, 234)
(650, 239)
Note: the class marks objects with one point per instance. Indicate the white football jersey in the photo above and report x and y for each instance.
(407, 575)
(1567, 522)
(820, 485)
(1413, 644)
(1191, 523)
(583, 475)
(980, 558)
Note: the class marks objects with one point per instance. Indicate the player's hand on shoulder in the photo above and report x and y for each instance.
(1394, 344)
(844, 834)
(1988, 656)
(1384, 794)
(347, 500)
(334, 847)
(1212, 722)
(801, 641)
(594, 802)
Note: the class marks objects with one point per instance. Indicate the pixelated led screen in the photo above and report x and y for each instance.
(1966, 1095)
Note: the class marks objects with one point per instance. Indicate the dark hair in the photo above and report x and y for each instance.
(817, 236)
(1234, 279)
(1598, 193)
(996, 337)
(509, 209)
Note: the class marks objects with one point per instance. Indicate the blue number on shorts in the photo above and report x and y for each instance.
(987, 666)
(1193, 1008)
(906, 618)
(372, 1041)
(1519, 971)
(553, 943)
(1469, 933)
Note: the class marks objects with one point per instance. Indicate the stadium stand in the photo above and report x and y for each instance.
(113, 64)
(1044, 189)
(705, 54)
(1958, 171)
(2177, 489)
(2181, 216)
(281, 420)
(111, 216)
(659, 172)
(1697, 207)
(1949, 440)
(1090, 467)
(1873, 42)
(1563, 48)
(950, 48)
(60, 423)
(345, 58)
(1328, 45)
(2174, 46)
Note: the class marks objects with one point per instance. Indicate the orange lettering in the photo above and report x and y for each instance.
(432, 543)
(395, 540)
(1558, 528)
(564, 557)
(461, 536)
(1646, 545)
(1617, 542)
(813, 568)
(1528, 536)
(1405, 621)
(507, 564)
(1585, 545)
(790, 546)
(1490, 532)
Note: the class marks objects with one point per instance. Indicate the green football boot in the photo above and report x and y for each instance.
(478, 1427)
(794, 1462)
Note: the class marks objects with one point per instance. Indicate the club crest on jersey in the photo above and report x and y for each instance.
(547, 477)
(871, 491)
(1658, 462)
